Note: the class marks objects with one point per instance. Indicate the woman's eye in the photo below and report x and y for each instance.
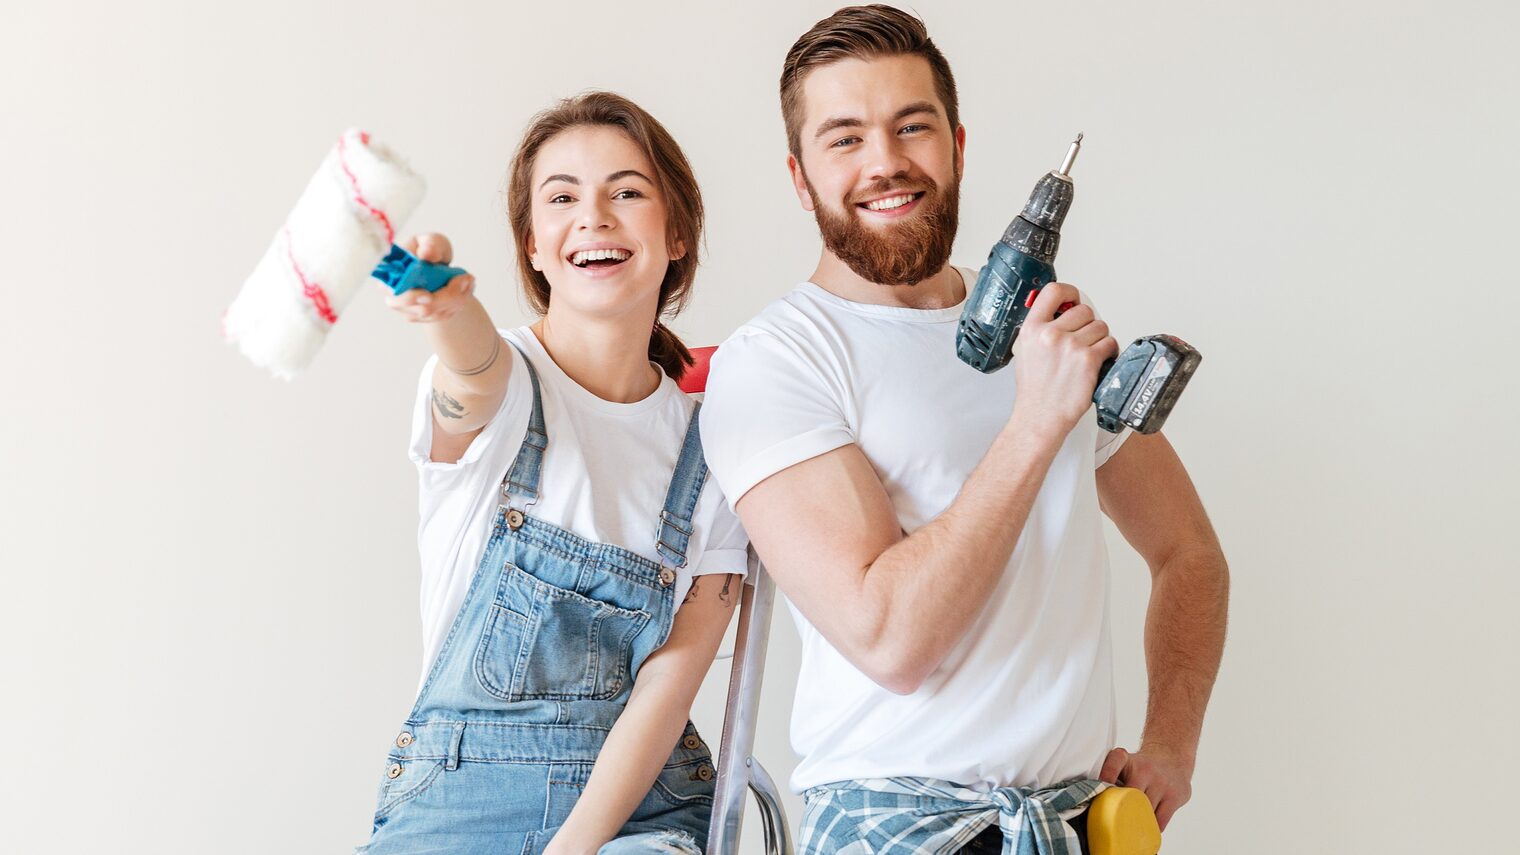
(559, 198)
(627, 194)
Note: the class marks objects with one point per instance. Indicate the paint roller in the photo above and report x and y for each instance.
(341, 232)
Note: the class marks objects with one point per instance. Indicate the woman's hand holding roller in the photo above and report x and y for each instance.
(421, 306)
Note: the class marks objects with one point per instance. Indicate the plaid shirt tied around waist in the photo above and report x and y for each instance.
(921, 816)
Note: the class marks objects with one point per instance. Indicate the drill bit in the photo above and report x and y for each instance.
(1071, 155)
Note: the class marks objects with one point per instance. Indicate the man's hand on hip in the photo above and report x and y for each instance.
(1165, 779)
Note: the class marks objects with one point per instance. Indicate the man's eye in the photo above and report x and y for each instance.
(841, 143)
(913, 129)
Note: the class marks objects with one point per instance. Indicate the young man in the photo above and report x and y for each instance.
(936, 529)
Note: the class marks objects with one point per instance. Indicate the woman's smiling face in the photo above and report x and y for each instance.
(599, 223)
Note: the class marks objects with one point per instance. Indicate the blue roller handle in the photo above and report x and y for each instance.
(402, 271)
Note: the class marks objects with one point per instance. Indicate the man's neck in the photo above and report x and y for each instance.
(940, 291)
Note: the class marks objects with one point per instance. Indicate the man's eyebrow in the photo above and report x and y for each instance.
(919, 107)
(835, 124)
(624, 173)
(560, 176)
(838, 122)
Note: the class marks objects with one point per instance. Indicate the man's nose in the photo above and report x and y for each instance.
(886, 158)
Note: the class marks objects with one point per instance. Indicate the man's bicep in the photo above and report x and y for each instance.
(818, 526)
(1146, 491)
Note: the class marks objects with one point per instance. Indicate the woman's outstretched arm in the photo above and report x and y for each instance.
(645, 734)
(470, 380)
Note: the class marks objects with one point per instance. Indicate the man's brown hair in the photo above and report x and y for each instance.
(860, 32)
(672, 175)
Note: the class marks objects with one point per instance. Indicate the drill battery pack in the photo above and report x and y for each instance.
(1140, 387)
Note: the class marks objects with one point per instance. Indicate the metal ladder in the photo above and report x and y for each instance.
(738, 770)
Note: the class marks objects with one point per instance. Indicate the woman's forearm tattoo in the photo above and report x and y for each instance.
(724, 597)
(446, 406)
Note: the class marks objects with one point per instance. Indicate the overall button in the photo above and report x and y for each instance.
(403, 740)
(691, 741)
(667, 576)
(705, 772)
(514, 519)
(394, 771)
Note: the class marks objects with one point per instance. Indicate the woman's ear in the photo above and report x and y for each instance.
(677, 249)
(533, 253)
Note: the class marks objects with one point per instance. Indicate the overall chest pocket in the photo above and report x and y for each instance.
(546, 642)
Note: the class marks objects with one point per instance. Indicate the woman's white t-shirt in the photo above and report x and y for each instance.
(604, 477)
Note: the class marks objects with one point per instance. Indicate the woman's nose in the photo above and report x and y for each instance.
(596, 215)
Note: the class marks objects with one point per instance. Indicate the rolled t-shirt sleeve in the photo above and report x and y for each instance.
(1108, 444)
(726, 550)
(768, 407)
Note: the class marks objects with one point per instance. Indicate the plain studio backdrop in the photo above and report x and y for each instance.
(210, 629)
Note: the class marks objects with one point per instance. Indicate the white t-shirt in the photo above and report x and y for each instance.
(604, 477)
(1026, 698)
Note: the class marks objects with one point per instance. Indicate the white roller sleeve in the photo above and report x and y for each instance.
(340, 228)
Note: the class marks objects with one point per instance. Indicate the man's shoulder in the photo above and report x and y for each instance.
(795, 322)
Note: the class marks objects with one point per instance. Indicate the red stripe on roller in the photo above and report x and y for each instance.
(312, 290)
(390, 233)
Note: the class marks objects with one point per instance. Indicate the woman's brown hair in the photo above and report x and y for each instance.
(673, 177)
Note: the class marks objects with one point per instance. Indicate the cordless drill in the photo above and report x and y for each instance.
(1138, 389)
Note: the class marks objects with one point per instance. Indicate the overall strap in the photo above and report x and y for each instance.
(522, 480)
(681, 499)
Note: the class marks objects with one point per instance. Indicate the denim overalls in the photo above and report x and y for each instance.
(538, 665)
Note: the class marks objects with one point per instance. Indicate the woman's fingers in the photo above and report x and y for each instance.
(422, 306)
(433, 247)
(464, 283)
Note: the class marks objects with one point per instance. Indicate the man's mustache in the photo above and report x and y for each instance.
(884, 186)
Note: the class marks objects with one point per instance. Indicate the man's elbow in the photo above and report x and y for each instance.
(895, 670)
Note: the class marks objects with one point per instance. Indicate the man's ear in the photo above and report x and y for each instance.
(960, 149)
(799, 182)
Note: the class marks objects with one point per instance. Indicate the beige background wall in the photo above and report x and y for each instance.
(210, 625)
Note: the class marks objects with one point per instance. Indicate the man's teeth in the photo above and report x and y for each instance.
(890, 202)
(585, 256)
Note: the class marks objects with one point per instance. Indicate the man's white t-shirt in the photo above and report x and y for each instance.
(604, 478)
(1026, 698)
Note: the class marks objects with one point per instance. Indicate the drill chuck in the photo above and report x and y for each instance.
(1021, 262)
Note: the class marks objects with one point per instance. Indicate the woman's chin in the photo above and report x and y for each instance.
(603, 299)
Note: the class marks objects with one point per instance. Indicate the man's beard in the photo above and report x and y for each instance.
(904, 253)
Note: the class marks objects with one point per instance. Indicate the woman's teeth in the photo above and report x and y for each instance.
(891, 202)
(586, 256)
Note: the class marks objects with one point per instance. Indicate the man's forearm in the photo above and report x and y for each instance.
(1184, 640)
(930, 586)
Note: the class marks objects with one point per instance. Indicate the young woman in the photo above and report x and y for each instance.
(578, 567)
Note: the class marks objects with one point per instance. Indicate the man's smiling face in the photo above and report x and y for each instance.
(879, 166)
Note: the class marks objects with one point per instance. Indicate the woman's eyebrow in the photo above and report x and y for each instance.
(568, 179)
(624, 173)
